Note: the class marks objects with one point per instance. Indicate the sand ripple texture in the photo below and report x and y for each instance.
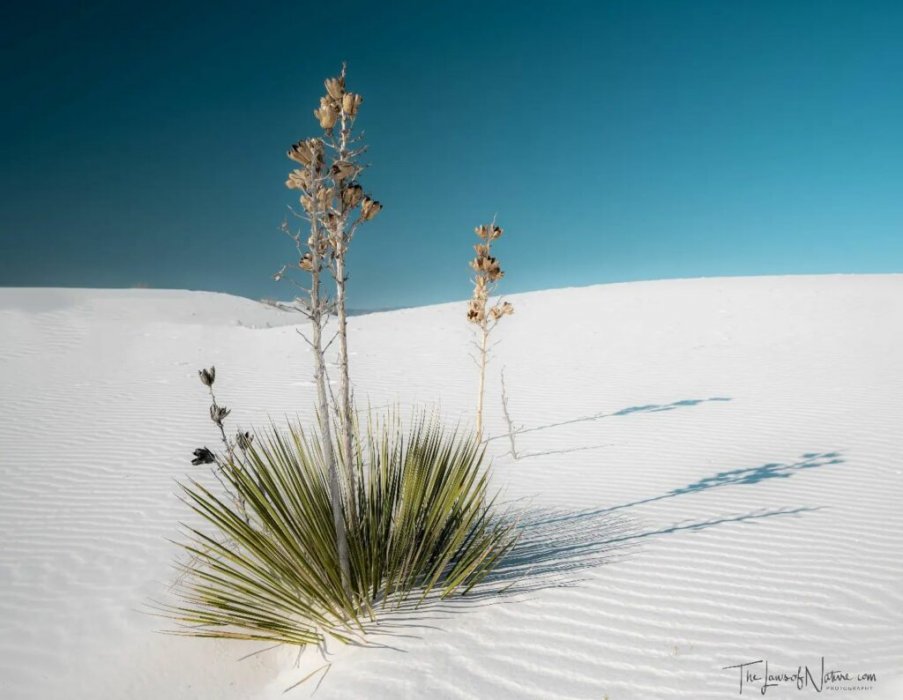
(709, 473)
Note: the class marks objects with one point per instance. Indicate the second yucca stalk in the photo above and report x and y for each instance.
(347, 208)
(487, 273)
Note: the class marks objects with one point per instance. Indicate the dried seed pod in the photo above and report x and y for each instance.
(244, 440)
(342, 170)
(208, 376)
(476, 311)
(298, 180)
(307, 262)
(370, 208)
(326, 114)
(499, 310)
(351, 103)
(203, 456)
(352, 195)
(335, 87)
(307, 202)
(218, 414)
(308, 152)
(324, 198)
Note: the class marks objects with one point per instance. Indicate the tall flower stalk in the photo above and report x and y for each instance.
(347, 207)
(486, 275)
(334, 205)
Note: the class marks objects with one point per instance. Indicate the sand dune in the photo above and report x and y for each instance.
(710, 474)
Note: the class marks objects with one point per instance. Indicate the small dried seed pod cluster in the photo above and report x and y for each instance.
(339, 105)
(487, 273)
(336, 102)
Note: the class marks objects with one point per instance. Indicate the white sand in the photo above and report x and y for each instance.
(724, 457)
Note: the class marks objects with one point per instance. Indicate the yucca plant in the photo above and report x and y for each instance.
(422, 523)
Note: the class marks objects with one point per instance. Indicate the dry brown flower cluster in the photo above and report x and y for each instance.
(487, 273)
(327, 181)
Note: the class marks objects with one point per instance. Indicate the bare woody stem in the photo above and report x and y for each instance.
(317, 308)
(230, 450)
(340, 246)
(484, 359)
(512, 429)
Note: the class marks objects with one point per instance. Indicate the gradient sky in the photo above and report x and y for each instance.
(616, 140)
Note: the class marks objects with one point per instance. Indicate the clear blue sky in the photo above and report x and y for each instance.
(616, 140)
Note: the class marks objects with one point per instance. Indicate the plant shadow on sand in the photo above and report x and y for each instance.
(630, 410)
(556, 542)
(554, 546)
(645, 408)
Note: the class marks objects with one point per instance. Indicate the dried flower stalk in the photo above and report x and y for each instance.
(348, 208)
(203, 455)
(335, 205)
(486, 275)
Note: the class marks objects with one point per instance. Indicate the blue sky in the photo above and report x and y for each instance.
(144, 143)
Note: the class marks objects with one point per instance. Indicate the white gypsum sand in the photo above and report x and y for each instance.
(710, 474)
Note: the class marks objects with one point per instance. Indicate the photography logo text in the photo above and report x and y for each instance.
(761, 675)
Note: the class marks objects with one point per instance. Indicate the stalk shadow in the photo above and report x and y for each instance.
(552, 543)
(630, 410)
(743, 476)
